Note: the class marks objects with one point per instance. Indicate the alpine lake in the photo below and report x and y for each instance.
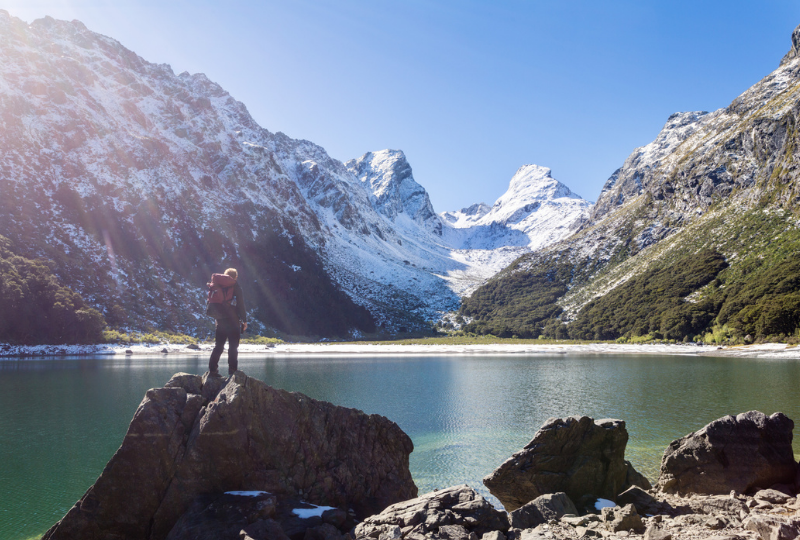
(62, 419)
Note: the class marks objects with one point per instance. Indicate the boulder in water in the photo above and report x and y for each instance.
(577, 455)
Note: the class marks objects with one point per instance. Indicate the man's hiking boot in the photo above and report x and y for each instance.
(214, 373)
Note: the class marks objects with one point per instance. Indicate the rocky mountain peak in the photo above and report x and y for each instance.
(477, 209)
(388, 177)
(630, 180)
(533, 182)
(794, 52)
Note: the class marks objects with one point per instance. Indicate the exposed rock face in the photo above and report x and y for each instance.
(738, 453)
(541, 510)
(392, 187)
(794, 52)
(444, 513)
(260, 516)
(623, 519)
(773, 527)
(182, 444)
(577, 455)
(635, 478)
(640, 499)
(218, 518)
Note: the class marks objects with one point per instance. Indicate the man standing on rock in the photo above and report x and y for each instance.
(226, 305)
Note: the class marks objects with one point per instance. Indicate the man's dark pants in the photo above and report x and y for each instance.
(227, 330)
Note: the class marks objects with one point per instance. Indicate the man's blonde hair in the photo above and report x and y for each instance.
(232, 273)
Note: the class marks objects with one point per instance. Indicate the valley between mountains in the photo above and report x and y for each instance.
(125, 185)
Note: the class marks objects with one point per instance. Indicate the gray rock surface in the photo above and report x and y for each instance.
(576, 455)
(248, 436)
(635, 478)
(640, 499)
(740, 453)
(794, 52)
(624, 518)
(223, 517)
(541, 510)
(773, 527)
(653, 532)
(771, 496)
(427, 514)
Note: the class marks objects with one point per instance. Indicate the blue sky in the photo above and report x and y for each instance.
(469, 90)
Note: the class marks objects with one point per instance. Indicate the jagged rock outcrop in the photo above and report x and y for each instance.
(577, 455)
(773, 527)
(184, 442)
(393, 190)
(794, 52)
(454, 511)
(739, 453)
(222, 517)
(624, 518)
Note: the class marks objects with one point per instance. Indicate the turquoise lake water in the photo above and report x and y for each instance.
(61, 420)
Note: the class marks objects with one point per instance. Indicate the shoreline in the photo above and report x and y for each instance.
(764, 351)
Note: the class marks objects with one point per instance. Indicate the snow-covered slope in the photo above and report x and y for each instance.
(537, 210)
(393, 191)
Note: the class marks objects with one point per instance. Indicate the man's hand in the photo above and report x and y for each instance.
(244, 326)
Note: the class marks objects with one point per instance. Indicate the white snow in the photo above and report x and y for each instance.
(317, 511)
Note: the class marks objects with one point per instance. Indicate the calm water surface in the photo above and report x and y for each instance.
(63, 419)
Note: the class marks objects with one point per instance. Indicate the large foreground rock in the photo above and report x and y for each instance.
(192, 438)
(576, 455)
(457, 511)
(740, 453)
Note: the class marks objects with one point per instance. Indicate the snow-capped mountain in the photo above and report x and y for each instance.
(393, 191)
(149, 180)
(466, 217)
(537, 210)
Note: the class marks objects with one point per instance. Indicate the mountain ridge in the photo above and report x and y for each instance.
(724, 181)
(148, 181)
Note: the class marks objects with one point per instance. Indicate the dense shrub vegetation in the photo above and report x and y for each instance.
(37, 308)
(758, 297)
(767, 304)
(653, 303)
(518, 304)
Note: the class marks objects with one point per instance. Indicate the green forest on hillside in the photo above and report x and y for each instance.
(746, 288)
(653, 303)
(519, 304)
(37, 308)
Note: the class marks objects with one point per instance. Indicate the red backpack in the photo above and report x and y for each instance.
(220, 295)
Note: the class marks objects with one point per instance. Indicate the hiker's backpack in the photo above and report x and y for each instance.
(220, 295)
